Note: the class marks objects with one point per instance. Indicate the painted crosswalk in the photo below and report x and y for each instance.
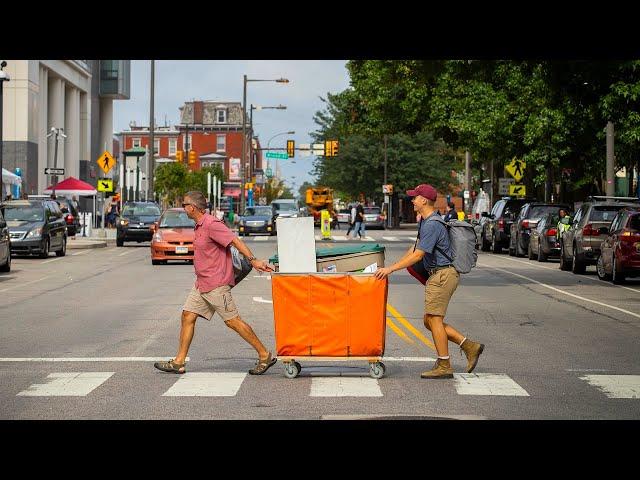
(340, 384)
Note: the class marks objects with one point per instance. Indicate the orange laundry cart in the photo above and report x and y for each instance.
(329, 316)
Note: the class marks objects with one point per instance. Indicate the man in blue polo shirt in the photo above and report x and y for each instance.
(434, 248)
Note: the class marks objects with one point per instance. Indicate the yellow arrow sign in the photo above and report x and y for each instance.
(106, 162)
(516, 169)
(517, 190)
(105, 185)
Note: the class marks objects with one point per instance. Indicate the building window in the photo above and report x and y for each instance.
(156, 146)
(135, 143)
(221, 116)
(221, 145)
(172, 146)
(190, 142)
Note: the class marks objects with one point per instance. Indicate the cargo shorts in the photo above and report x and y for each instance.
(206, 304)
(439, 290)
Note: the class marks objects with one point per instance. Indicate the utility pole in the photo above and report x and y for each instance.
(244, 141)
(611, 186)
(467, 178)
(4, 77)
(152, 160)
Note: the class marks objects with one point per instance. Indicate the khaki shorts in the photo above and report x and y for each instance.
(439, 290)
(206, 304)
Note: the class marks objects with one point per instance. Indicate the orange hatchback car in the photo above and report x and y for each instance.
(172, 237)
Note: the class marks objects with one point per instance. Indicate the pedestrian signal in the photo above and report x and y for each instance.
(180, 156)
(330, 148)
(193, 157)
(291, 148)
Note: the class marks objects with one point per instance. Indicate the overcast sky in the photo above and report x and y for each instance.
(178, 81)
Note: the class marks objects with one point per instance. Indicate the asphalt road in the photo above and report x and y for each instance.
(80, 334)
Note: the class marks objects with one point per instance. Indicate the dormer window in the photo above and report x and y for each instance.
(221, 116)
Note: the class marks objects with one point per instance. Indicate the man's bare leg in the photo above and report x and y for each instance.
(186, 335)
(246, 332)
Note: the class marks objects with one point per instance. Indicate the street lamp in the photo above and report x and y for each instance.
(58, 132)
(244, 129)
(258, 107)
(4, 77)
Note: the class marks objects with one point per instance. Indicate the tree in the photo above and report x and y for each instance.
(171, 181)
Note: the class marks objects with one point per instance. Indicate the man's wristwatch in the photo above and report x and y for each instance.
(251, 259)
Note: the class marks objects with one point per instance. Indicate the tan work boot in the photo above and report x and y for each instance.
(442, 369)
(472, 350)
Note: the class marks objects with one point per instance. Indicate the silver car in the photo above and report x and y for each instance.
(580, 245)
(373, 217)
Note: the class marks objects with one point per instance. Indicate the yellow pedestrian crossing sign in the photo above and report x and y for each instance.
(517, 190)
(516, 169)
(105, 185)
(106, 162)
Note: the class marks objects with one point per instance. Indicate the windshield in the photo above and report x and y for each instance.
(141, 211)
(634, 222)
(512, 208)
(176, 219)
(261, 211)
(372, 210)
(539, 211)
(603, 214)
(23, 213)
(287, 207)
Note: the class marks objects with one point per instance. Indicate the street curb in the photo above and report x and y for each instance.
(73, 245)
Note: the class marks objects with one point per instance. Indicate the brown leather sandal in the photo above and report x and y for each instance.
(171, 367)
(263, 365)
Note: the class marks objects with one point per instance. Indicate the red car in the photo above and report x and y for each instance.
(620, 255)
(172, 237)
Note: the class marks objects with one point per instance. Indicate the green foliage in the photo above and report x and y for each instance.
(173, 180)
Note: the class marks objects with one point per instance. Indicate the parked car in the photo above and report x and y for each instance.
(135, 222)
(620, 250)
(373, 217)
(71, 215)
(260, 219)
(496, 229)
(36, 227)
(285, 208)
(344, 215)
(5, 245)
(580, 245)
(527, 219)
(172, 237)
(543, 242)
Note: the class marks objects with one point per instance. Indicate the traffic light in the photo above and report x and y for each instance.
(193, 157)
(334, 147)
(330, 148)
(180, 156)
(291, 148)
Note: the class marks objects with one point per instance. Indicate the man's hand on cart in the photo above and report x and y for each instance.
(261, 265)
(382, 273)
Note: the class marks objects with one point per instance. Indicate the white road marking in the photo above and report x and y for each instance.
(340, 239)
(125, 253)
(581, 277)
(261, 300)
(52, 260)
(563, 292)
(268, 277)
(390, 239)
(67, 384)
(366, 238)
(84, 252)
(345, 387)
(200, 384)
(616, 386)
(85, 359)
(24, 284)
(487, 384)
(261, 238)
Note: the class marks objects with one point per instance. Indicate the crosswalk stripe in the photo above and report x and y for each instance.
(67, 384)
(616, 386)
(201, 384)
(345, 387)
(261, 238)
(368, 239)
(340, 239)
(488, 384)
(390, 239)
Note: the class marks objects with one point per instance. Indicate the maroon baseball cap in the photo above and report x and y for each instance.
(424, 190)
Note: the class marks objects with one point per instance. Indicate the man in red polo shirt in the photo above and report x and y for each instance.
(212, 290)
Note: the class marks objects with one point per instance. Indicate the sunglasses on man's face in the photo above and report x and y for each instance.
(185, 204)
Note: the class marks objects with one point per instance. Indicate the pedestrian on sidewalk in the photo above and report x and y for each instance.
(451, 212)
(433, 247)
(359, 229)
(352, 220)
(211, 292)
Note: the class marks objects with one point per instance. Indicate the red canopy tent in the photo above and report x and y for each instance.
(73, 186)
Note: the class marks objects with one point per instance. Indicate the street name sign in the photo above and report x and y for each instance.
(518, 190)
(283, 156)
(516, 169)
(105, 185)
(54, 171)
(106, 162)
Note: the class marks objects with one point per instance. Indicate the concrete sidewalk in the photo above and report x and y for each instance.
(80, 243)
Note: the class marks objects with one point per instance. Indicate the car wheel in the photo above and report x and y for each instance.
(495, 246)
(616, 276)
(530, 254)
(519, 251)
(602, 274)
(485, 245)
(542, 257)
(45, 249)
(158, 262)
(7, 266)
(564, 264)
(577, 266)
(63, 251)
(119, 242)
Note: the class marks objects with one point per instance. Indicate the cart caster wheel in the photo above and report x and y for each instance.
(376, 370)
(292, 369)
